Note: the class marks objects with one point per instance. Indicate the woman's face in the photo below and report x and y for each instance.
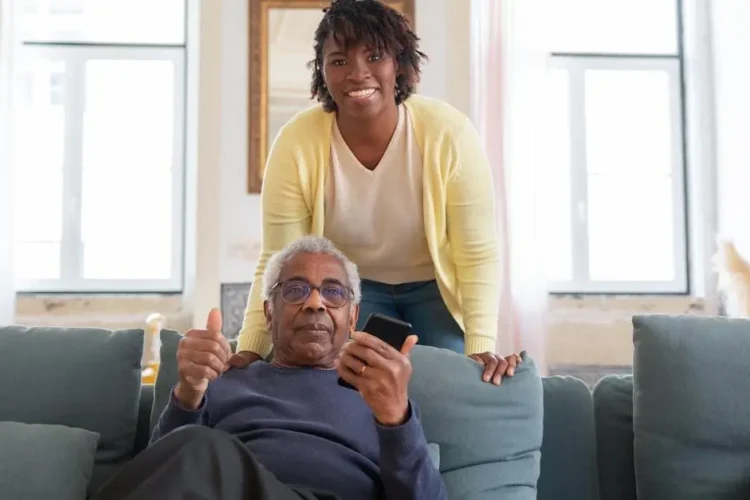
(362, 81)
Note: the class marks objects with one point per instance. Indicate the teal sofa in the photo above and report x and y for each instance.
(493, 442)
(73, 410)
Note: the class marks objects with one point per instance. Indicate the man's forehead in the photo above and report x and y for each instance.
(315, 268)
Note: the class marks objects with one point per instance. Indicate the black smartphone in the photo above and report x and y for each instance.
(391, 330)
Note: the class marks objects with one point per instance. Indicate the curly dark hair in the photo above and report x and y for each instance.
(352, 22)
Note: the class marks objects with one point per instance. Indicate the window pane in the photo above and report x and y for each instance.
(104, 21)
(40, 133)
(38, 205)
(614, 26)
(628, 122)
(129, 115)
(126, 260)
(558, 229)
(127, 223)
(37, 261)
(631, 227)
(629, 154)
(39, 151)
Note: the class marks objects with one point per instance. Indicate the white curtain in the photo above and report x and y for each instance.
(508, 67)
(7, 50)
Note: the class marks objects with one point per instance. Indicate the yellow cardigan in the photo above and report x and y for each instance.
(458, 206)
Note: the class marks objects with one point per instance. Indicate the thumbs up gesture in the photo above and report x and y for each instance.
(201, 358)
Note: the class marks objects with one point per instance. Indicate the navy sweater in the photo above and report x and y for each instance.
(309, 431)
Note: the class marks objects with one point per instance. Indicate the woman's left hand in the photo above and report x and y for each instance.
(495, 366)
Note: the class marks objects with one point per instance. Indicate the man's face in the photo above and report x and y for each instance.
(312, 330)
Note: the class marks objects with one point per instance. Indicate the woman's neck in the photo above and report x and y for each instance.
(375, 132)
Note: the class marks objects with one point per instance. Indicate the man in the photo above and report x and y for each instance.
(286, 429)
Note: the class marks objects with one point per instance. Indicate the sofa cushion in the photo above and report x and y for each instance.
(691, 410)
(613, 412)
(568, 468)
(490, 437)
(77, 377)
(39, 462)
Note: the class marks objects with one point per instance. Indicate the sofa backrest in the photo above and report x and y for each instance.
(78, 377)
(613, 414)
(569, 466)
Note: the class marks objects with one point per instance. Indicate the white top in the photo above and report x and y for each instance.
(375, 216)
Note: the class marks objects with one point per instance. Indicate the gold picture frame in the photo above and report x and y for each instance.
(259, 96)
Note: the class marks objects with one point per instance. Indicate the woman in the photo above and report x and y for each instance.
(400, 183)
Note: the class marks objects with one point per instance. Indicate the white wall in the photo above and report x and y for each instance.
(731, 41)
(446, 76)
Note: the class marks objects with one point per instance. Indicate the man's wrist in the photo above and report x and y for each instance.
(394, 418)
(188, 398)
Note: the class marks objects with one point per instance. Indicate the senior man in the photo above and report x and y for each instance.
(286, 429)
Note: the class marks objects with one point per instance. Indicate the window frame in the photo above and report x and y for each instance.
(575, 65)
(75, 56)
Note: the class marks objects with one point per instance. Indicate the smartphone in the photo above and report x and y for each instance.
(390, 330)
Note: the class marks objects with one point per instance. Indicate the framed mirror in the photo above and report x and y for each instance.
(281, 45)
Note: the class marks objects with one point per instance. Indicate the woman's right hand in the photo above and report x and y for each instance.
(243, 359)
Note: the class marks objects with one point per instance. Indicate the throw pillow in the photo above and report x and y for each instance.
(489, 436)
(691, 414)
(40, 462)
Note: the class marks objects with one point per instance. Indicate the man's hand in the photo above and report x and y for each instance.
(380, 373)
(201, 357)
(495, 366)
(243, 359)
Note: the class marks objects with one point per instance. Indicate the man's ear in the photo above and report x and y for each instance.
(268, 311)
(353, 317)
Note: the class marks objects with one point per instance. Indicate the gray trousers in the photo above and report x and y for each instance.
(199, 463)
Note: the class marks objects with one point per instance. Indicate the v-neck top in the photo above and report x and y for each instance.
(375, 216)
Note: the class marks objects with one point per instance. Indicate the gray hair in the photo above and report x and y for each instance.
(314, 245)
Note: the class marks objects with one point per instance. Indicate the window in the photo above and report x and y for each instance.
(615, 218)
(100, 145)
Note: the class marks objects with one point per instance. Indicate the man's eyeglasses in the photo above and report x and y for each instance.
(296, 292)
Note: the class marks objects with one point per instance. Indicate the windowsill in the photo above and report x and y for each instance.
(111, 311)
(669, 303)
(598, 329)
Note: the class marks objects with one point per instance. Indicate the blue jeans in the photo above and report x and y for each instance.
(418, 303)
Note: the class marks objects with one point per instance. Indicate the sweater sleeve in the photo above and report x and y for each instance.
(285, 218)
(175, 416)
(406, 469)
(473, 237)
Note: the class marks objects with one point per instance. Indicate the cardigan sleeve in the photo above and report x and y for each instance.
(473, 237)
(285, 217)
